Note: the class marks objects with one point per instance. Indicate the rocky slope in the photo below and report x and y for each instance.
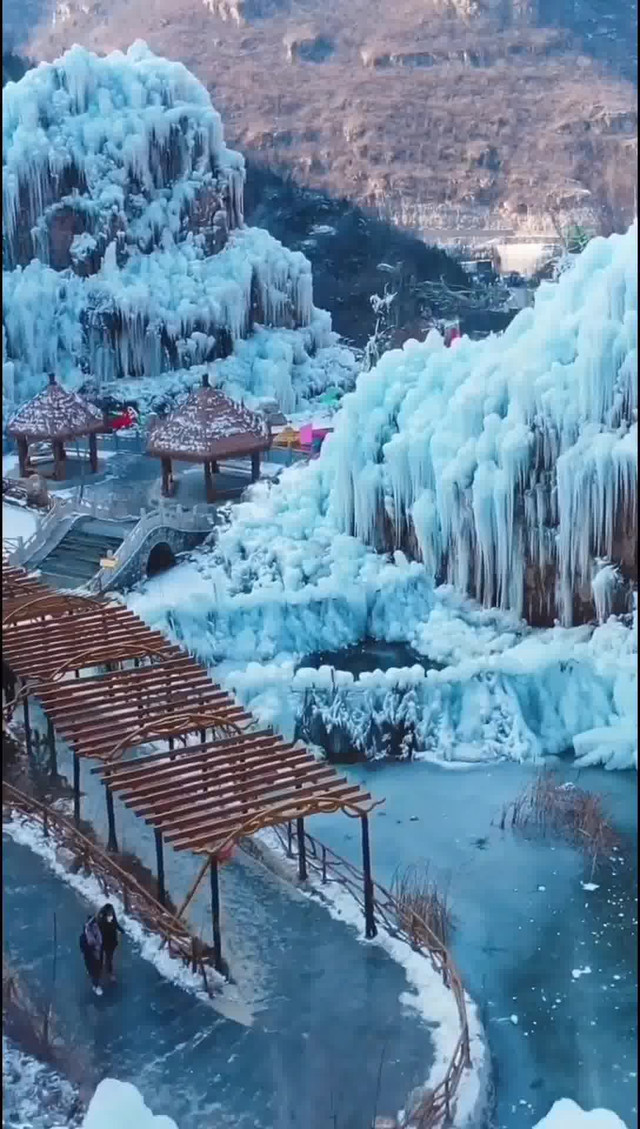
(499, 118)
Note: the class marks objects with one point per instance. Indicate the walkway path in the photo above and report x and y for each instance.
(329, 1010)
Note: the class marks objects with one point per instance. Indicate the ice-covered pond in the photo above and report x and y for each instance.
(552, 963)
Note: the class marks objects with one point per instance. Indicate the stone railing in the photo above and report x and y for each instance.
(200, 519)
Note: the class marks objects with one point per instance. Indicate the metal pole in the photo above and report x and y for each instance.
(76, 788)
(302, 851)
(215, 915)
(369, 919)
(162, 894)
(112, 842)
(53, 758)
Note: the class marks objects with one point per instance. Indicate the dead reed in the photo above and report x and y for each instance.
(547, 806)
(419, 903)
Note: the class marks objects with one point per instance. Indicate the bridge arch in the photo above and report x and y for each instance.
(160, 559)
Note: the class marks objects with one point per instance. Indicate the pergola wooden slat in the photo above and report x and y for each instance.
(201, 798)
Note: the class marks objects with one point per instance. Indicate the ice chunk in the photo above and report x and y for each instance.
(121, 1104)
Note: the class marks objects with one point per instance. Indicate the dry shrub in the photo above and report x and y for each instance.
(547, 805)
(419, 902)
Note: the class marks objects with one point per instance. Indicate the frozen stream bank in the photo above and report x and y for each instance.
(330, 1008)
(525, 924)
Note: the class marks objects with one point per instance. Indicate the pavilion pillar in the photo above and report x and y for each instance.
(162, 893)
(208, 482)
(215, 915)
(76, 789)
(302, 851)
(369, 918)
(112, 842)
(166, 475)
(255, 466)
(214, 466)
(93, 453)
(59, 460)
(23, 455)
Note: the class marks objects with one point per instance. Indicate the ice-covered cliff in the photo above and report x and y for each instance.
(509, 465)
(125, 252)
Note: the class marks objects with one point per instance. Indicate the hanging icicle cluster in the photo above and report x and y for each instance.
(510, 460)
(125, 250)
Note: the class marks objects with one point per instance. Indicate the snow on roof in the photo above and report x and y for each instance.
(55, 414)
(208, 426)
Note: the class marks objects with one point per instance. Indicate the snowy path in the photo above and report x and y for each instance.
(330, 1009)
(525, 924)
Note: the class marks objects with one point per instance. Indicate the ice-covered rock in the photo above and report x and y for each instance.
(506, 464)
(125, 251)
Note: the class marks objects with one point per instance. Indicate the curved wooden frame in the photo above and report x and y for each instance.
(174, 725)
(79, 662)
(322, 804)
(55, 599)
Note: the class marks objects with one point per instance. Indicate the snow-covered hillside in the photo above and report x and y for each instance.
(125, 252)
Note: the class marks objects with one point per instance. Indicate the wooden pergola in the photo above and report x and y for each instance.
(205, 799)
(208, 427)
(55, 416)
(218, 779)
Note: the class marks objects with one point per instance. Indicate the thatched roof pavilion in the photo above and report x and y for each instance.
(55, 416)
(206, 428)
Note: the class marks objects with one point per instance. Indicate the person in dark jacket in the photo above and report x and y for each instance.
(92, 949)
(109, 929)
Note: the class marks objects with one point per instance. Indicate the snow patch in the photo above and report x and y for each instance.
(121, 1104)
(567, 1114)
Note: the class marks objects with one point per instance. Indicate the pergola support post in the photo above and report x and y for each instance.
(162, 894)
(112, 842)
(302, 851)
(76, 789)
(215, 915)
(255, 466)
(53, 756)
(369, 918)
(93, 453)
(166, 477)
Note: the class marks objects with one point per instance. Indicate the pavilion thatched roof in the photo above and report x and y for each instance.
(207, 427)
(55, 414)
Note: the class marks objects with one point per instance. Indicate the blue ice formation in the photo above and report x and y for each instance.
(125, 251)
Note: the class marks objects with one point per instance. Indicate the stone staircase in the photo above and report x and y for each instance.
(75, 560)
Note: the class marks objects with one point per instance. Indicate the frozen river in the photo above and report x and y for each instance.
(526, 928)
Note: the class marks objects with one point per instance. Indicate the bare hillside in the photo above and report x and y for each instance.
(448, 116)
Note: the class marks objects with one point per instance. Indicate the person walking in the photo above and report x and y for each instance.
(109, 928)
(92, 948)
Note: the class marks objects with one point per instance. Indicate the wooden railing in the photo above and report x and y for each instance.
(434, 1107)
(137, 901)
